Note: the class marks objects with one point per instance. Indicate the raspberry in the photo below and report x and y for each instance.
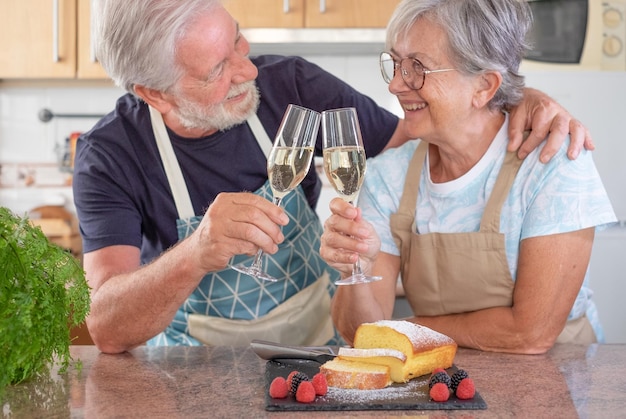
(439, 377)
(296, 379)
(319, 384)
(278, 388)
(465, 389)
(456, 379)
(305, 392)
(439, 392)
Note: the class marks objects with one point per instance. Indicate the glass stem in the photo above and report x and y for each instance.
(258, 262)
(258, 259)
(356, 268)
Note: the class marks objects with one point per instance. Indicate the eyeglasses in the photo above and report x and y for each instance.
(412, 70)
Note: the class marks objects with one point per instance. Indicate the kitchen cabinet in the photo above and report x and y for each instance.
(311, 13)
(267, 13)
(46, 39)
(38, 39)
(87, 66)
(348, 13)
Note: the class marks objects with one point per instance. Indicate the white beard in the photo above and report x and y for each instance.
(193, 115)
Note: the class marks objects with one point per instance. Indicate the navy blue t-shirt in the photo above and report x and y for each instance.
(122, 195)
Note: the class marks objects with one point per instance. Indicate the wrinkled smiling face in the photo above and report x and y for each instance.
(444, 98)
(218, 89)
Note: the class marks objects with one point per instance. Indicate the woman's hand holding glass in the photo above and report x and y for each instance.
(344, 164)
(347, 236)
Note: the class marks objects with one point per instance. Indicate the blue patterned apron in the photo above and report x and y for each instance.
(228, 294)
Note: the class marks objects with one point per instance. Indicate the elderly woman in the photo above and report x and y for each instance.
(492, 250)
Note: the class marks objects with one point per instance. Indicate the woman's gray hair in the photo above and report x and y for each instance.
(483, 35)
(136, 40)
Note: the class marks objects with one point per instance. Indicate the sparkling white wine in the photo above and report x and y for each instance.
(286, 167)
(345, 169)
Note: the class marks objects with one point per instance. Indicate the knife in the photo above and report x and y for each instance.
(272, 350)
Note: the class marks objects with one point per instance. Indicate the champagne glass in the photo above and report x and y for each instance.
(287, 165)
(344, 164)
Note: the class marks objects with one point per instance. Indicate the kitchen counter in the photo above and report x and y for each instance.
(227, 382)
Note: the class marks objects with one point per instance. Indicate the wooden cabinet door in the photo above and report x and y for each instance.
(348, 13)
(37, 38)
(88, 67)
(267, 13)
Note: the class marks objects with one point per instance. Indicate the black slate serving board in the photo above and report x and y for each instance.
(410, 396)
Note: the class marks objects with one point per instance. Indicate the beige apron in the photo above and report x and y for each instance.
(446, 273)
(303, 319)
(298, 320)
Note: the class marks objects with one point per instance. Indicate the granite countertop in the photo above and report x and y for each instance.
(225, 382)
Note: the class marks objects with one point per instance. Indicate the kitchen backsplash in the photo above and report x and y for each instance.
(31, 150)
(24, 138)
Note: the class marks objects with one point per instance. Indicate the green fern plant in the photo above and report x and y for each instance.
(43, 292)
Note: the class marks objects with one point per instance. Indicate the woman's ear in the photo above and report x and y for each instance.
(487, 86)
(157, 99)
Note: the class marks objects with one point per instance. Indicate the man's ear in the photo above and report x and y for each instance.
(487, 86)
(155, 98)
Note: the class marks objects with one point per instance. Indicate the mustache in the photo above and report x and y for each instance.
(239, 89)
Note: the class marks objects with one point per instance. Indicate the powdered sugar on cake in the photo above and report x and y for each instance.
(414, 389)
(415, 332)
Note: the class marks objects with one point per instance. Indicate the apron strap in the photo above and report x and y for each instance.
(259, 133)
(402, 223)
(174, 174)
(408, 201)
(491, 214)
(172, 168)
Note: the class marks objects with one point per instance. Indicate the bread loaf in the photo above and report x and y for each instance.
(389, 351)
(358, 375)
(424, 348)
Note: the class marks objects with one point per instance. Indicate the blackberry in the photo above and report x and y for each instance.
(456, 379)
(439, 377)
(296, 380)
